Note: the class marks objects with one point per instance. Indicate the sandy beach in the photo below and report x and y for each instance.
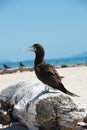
(75, 80)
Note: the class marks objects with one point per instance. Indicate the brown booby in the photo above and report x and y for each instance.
(21, 64)
(45, 72)
(6, 66)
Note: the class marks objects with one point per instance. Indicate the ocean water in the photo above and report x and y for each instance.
(54, 62)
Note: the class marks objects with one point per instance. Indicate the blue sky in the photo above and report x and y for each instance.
(59, 25)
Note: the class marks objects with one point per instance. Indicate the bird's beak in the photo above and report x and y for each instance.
(30, 48)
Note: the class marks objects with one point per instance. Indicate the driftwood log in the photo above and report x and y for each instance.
(38, 110)
(10, 71)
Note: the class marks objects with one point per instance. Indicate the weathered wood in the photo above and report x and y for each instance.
(10, 71)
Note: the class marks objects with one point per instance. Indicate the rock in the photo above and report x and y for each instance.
(39, 110)
(63, 66)
(85, 119)
(5, 119)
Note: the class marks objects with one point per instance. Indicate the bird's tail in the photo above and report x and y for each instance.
(64, 90)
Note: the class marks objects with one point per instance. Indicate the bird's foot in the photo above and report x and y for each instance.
(47, 89)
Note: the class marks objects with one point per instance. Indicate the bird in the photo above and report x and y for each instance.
(46, 72)
(6, 66)
(21, 64)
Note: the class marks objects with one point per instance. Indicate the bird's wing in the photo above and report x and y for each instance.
(56, 73)
(48, 75)
(48, 71)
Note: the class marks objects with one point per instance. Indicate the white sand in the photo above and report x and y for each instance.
(75, 80)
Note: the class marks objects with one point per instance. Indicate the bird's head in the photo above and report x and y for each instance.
(37, 48)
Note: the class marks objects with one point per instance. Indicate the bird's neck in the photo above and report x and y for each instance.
(38, 60)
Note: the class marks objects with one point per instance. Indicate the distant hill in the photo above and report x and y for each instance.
(84, 54)
(81, 55)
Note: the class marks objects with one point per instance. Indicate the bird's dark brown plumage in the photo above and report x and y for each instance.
(21, 64)
(6, 66)
(46, 73)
